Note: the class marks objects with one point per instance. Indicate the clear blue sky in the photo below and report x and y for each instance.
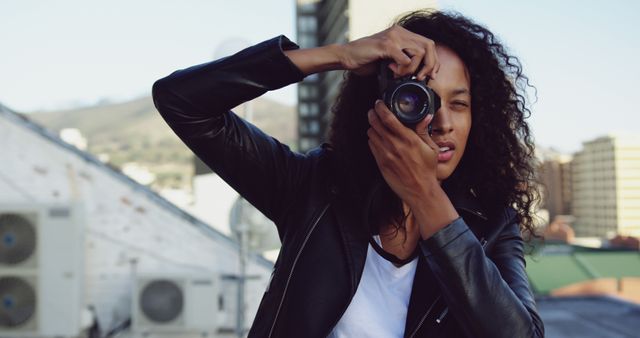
(581, 55)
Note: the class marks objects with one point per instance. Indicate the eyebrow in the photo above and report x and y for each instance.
(459, 91)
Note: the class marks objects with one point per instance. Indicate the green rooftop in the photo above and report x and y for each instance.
(556, 266)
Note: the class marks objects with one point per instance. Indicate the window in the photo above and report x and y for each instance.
(308, 109)
(314, 127)
(307, 23)
(307, 41)
(307, 92)
(303, 108)
(313, 109)
(307, 143)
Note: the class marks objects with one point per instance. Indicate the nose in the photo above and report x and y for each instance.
(442, 123)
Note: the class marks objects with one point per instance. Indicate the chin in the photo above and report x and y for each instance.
(444, 171)
(442, 176)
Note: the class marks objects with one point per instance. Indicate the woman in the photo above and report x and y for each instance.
(386, 231)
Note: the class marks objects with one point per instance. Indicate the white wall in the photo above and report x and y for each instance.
(125, 221)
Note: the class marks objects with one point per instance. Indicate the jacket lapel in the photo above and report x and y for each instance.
(425, 288)
(423, 293)
(354, 238)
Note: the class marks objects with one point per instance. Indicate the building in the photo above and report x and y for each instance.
(606, 187)
(335, 21)
(555, 176)
(84, 245)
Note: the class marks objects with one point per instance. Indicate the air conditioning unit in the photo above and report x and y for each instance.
(172, 303)
(41, 269)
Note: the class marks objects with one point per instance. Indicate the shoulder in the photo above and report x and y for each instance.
(320, 162)
(509, 226)
(502, 225)
(319, 158)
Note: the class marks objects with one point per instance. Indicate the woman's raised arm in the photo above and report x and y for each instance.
(195, 102)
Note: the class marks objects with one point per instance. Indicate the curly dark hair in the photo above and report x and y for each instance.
(498, 164)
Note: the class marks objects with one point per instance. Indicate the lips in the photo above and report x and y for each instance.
(446, 150)
(446, 145)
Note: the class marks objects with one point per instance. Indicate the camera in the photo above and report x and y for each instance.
(408, 99)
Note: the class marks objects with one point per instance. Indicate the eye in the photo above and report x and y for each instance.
(460, 103)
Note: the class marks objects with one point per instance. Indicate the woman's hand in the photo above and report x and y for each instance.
(406, 50)
(407, 159)
(408, 162)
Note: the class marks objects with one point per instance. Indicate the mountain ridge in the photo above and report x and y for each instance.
(134, 131)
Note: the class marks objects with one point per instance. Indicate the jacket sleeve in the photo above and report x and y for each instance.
(195, 102)
(489, 297)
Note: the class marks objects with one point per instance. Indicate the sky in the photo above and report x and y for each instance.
(580, 55)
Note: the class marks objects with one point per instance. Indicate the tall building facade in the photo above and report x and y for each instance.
(555, 176)
(606, 187)
(322, 22)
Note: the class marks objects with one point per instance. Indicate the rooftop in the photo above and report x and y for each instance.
(589, 317)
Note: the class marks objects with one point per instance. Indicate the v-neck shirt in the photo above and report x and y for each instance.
(379, 307)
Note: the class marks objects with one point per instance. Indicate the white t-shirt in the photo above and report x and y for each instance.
(379, 307)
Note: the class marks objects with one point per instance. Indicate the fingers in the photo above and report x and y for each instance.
(400, 58)
(422, 127)
(416, 56)
(422, 131)
(375, 140)
(384, 122)
(384, 125)
(431, 63)
(408, 50)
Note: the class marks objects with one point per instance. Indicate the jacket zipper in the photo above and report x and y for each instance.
(479, 214)
(295, 261)
(413, 334)
(354, 287)
(483, 243)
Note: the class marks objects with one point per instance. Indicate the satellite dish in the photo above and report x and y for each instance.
(262, 232)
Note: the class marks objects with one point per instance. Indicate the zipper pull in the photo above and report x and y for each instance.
(483, 243)
(442, 315)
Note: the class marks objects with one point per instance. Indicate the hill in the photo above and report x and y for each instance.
(134, 131)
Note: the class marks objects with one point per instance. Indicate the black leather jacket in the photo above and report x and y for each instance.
(470, 280)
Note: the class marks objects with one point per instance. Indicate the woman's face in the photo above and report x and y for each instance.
(452, 121)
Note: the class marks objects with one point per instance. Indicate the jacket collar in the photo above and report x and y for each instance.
(465, 200)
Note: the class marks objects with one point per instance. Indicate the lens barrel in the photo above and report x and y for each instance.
(408, 99)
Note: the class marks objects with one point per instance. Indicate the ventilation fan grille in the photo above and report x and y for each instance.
(162, 301)
(17, 238)
(17, 302)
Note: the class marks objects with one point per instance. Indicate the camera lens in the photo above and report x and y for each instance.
(407, 103)
(410, 101)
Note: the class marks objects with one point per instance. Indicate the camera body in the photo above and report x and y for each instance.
(409, 100)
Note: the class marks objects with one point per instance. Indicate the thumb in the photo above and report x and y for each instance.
(423, 131)
(422, 127)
